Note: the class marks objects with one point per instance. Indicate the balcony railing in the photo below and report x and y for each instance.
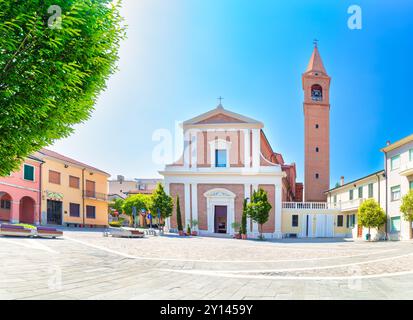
(345, 205)
(407, 169)
(351, 204)
(305, 205)
(95, 195)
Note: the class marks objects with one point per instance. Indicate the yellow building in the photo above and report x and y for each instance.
(315, 220)
(73, 193)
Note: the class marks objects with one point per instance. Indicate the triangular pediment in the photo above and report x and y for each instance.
(219, 115)
(220, 118)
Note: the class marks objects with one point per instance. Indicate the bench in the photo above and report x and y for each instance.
(45, 232)
(123, 233)
(15, 231)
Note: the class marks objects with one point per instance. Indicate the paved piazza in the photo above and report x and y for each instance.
(86, 265)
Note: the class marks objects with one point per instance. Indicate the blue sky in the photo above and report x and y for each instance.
(180, 55)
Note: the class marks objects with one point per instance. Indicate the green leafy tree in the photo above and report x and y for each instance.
(162, 202)
(259, 208)
(140, 201)
(407, 209)
(371, 215)
(116, 205)
(55, 58)
(178, 215)
(243, 229)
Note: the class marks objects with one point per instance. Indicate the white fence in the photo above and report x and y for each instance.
(307, 205)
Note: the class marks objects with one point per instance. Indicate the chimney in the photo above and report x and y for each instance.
(342, 181)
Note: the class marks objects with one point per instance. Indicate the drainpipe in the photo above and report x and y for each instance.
(40, 193)
(379, 197)
(378, 181)
(83, 196)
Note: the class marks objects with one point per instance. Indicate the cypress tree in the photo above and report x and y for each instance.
(178, 215)
(244, 218)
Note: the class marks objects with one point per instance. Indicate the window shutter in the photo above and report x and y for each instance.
(28, 172)
(74, 182)
(54, 177)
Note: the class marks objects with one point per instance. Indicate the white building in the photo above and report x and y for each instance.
(348, 197)
(122, 188)
(399, 169)
(387, 187)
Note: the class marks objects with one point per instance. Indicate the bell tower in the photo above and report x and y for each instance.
(316, 86)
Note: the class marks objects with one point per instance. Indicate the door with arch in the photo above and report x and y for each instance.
(220, 219)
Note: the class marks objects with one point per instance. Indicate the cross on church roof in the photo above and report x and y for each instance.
(315, 42)
(220, 100)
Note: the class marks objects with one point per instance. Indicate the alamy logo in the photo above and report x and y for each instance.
(354, 22)
(55, 21)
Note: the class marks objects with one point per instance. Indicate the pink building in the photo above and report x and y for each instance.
(20, 193)
(226, 157)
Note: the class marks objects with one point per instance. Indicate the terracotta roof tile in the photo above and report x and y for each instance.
(49, 153)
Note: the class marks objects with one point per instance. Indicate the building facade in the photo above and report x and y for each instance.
(313, 220)
(347, 197)
(122, 188)
(316, 86)
(73, 193)
(226, 157)
(20, 194)
(399, 170)
(387, 187)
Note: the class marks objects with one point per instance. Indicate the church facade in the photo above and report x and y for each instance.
(227, 156)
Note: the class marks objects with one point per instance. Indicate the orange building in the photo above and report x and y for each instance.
(72, 193)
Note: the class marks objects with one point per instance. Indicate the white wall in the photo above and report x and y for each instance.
(394, 179)
(351, 207)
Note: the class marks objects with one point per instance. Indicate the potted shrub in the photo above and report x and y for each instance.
(188, 230)
(194, 224)
(237, 229)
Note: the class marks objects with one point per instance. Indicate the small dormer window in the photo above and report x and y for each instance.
(220, 158)
(316, 93)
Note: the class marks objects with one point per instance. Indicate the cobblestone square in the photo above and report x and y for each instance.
(86, 265)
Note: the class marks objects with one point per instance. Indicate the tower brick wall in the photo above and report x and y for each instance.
(316, 86)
